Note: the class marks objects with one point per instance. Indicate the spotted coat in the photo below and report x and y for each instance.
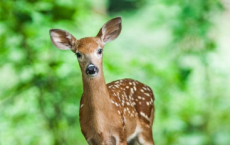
(132, 98)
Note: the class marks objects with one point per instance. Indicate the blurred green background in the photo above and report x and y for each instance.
(180, 48)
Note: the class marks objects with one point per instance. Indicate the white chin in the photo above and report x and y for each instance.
(93, 75)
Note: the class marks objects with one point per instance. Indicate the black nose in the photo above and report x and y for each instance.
(91, 69)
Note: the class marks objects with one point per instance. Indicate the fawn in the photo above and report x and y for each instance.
(117, 113)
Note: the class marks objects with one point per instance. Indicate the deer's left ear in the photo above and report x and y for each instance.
(62, 39)
(110, 30)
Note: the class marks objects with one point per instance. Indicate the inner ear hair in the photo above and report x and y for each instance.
(110, 30)
(62, 39)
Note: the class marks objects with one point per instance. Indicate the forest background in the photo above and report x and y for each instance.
(178, 47)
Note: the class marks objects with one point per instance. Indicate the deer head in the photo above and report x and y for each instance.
(89, 49)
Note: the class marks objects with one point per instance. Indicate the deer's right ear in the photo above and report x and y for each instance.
(62, 39)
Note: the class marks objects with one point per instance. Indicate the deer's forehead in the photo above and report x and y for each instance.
(88, 44)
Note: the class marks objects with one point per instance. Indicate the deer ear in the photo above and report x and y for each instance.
(62, 39)
(110, 30)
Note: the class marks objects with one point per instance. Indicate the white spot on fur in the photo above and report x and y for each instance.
(117, 82)
(144, 115)
(147, 94)
(134, 88)
(134, 83)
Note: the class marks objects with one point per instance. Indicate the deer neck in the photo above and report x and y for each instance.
(95, 93)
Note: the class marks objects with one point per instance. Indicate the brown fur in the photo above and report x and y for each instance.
(117, 113)
(87, 45)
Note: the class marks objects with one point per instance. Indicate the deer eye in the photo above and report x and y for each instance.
(99, 51)
(78, 55)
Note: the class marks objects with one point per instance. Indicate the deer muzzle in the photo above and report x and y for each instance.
(91, 70)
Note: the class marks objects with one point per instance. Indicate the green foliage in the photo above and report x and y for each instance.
(171, 45)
